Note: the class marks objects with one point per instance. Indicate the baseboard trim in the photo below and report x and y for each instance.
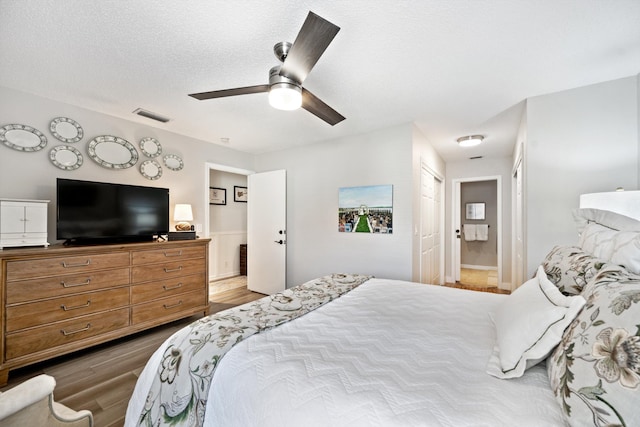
(478, 267)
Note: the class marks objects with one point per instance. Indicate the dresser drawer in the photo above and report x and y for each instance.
(43, 267)
(45, 337)
(168, 307)
(50, 287)
(56, 309)
(167, 254)
(166, 270)
(164, 288)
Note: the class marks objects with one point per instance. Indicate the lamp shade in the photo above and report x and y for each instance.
(182, 212)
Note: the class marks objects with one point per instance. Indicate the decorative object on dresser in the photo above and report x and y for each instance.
(23, 223)
(63, 299)
(182, 214)
(181, 235)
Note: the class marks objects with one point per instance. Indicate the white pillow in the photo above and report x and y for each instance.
(617, 247)
(529, 324)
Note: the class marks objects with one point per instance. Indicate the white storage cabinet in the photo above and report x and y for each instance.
(23, 222)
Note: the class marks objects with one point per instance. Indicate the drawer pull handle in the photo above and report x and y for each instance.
(167, 270)
(172, 306)
(84, 264)
(179, 285)
(170, 254)
(73, 285)
(65, 308)
(66, 334)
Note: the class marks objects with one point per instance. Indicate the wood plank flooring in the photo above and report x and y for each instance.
(101, 379)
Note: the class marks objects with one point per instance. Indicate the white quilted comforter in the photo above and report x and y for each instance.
(389, 353)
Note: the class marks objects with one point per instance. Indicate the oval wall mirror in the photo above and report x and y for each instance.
(173, 162)
(66, 129)
(66, 157)
(150, 147)
(22, 137)
(151, 169)
(112, 152)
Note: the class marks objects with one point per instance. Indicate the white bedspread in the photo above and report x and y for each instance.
(389, 353)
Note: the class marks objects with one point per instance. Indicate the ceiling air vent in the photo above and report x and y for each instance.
(150, 115)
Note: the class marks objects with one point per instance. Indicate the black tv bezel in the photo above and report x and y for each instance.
(115, 239)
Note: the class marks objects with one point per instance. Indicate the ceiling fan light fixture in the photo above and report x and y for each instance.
(470, 141)
(285, 96)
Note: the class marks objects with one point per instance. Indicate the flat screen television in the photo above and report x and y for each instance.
(99, 212)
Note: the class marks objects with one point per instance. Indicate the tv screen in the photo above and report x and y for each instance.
(98, 211)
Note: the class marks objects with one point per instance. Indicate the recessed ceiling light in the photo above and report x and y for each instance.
(470, 141)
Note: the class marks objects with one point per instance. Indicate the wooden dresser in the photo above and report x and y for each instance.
(60, 299)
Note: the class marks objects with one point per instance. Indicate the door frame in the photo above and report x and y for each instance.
(208, 167)
(456, 209)
(424, 165)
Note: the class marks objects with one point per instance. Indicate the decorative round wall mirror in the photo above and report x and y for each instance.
(173, 162)
(151, 169)
(112, 152)
(66, 130)
(22, 137)
(66, 157)
(150, 147)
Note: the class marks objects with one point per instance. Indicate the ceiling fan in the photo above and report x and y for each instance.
(285, 80)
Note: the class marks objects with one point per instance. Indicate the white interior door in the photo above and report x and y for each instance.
(430, 234)
(266, 232)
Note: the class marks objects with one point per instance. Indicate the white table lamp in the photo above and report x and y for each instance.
(182, 214)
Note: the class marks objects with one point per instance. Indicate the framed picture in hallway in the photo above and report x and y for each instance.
(217, 196)
(366, 209)
(239, 194)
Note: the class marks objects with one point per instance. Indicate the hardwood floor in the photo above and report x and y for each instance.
(101, 379)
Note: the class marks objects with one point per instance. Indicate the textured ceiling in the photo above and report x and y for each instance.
(453, 67)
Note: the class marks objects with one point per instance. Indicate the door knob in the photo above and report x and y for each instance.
(280, 242)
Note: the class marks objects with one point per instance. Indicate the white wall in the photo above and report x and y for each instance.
(31, 175)
(578, 141)
(314, 175)
(227, 227)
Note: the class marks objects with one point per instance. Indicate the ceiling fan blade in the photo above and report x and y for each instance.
(230, 92)
(315, 106)
(312, 40)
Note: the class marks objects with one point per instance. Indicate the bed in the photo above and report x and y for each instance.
(352, 350)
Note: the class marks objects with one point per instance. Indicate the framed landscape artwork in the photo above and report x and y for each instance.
(366, 209)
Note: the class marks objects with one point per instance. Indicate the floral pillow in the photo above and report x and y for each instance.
(570, 268)
(595, 370)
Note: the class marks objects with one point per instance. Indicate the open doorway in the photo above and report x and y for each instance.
(477, 248)
(225, 224)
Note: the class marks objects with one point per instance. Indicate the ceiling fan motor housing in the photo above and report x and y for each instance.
(281, 50)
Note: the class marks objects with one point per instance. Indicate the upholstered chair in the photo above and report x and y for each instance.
(31, 404)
